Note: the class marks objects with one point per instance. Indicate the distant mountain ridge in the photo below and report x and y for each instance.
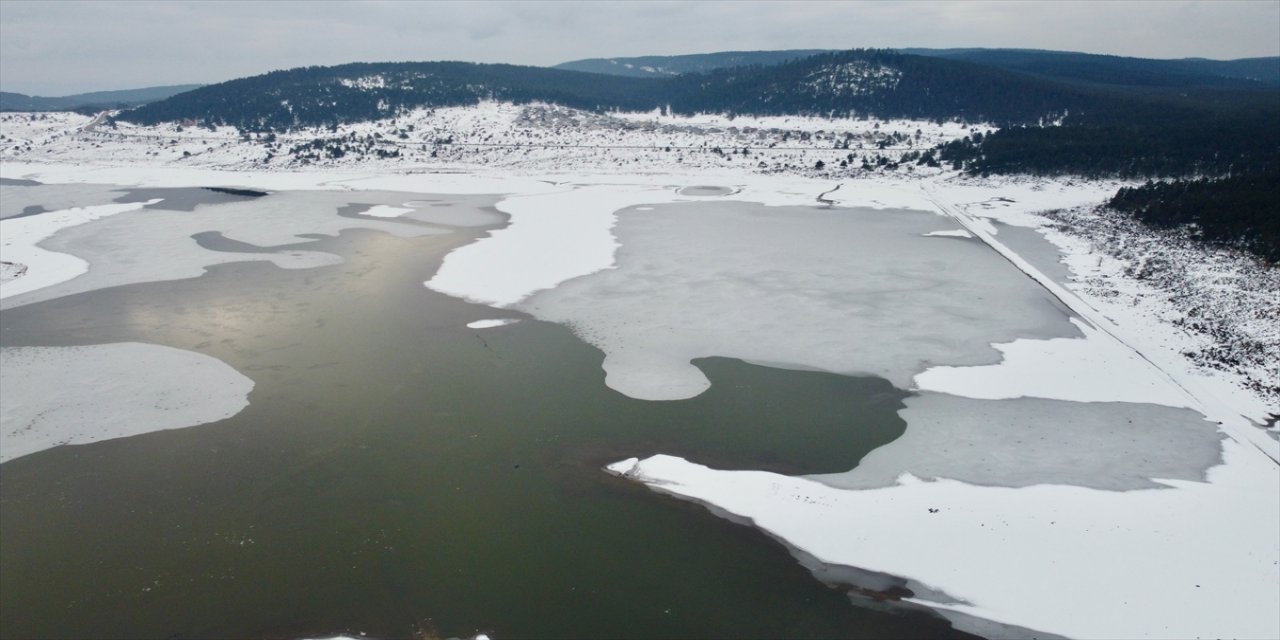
(878, 83)
(126, 98)
(1058, 65)
(1068, 66)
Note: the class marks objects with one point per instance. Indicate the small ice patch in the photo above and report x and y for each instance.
(952, 233)
(386, 211)
(493, 322)
(705, 190)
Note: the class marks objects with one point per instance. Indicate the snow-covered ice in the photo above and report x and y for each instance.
(386, 211)
(1198, 559)
(20, 238)
(160, 245)
(1092, 368)
(76, 395)
(850, 291)
(1030, 441)
(551, 238)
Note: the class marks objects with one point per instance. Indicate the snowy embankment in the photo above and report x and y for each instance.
(536, 138)
(1212, 308)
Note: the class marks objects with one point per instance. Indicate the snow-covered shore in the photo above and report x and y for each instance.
(1193, 560)
(1010, 554)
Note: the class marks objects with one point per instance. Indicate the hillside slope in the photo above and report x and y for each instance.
(104, 99)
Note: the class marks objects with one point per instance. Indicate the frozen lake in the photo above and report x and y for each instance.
(316, 443)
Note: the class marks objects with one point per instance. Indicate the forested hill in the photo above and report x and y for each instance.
(1088, 68)
(319, 96)
(1104, 130)
(665, 66)
(1066, 66)
(860, 82)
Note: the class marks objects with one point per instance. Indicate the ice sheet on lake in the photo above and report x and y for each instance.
(16, 200)
(552, 237)
(1092, 368)
(157, 245)
(20, 240)
(456, 211)
(1025, 442)
(851, 291)
(76, 395)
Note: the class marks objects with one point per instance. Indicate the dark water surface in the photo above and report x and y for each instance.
(397, 473)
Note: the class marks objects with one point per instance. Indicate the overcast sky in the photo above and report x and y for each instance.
(59, 48)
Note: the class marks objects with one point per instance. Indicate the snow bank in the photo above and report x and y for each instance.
(77, 395)
(1192, 560)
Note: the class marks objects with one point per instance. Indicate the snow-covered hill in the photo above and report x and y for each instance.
(538, 136)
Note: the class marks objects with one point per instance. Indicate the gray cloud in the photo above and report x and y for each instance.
(56, 48)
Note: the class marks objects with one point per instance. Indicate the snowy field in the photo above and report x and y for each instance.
(1082, 431)
(535, 138)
